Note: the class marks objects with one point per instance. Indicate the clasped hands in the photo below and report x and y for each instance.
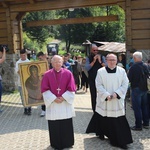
(113, 96)
(98, 57)
(59, 99)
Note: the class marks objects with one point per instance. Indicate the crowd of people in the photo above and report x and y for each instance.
(108, 79)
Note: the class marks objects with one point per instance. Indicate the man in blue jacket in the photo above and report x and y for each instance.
(137, 77)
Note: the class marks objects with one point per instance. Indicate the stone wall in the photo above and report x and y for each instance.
(7, 71)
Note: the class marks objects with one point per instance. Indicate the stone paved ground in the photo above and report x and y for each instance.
(19, 132)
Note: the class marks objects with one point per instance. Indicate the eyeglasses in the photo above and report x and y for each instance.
(111, 60)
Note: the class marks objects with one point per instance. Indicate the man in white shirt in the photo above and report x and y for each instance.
(23, 59)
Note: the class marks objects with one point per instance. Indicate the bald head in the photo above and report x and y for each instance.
(57, 62)
(56, 58)
(111, 60)
(94, 49)
(111, 56)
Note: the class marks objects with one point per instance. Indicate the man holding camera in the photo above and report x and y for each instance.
(2, 59)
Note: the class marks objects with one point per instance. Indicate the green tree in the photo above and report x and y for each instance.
(110, 31)
(38, 34)
(75, 33)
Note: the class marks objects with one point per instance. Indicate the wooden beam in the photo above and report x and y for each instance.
(2, 16)
(3, 40)
(9, 31)
(140, 4)
(142, 24)
(5, 5)
(21, 35)
(62, 4)
(140, 34)
(2, 10)
(20, 15)
(122, 5)
(142, 44)
(3, 32)
(71, 21)
(128, 24)
(3, 25)
(141, 14)
(32, 1)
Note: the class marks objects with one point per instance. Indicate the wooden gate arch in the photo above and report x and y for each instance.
(137, 23)
(137, 18)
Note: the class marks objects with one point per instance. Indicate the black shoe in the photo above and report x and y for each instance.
(146, 127)
(114, 145)
(101, 137)
(124, 146)
(121, 146)
(25, 111)
(29, 111)
(134, 128)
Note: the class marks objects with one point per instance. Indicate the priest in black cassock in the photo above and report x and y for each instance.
(58, 89)
(109, 119)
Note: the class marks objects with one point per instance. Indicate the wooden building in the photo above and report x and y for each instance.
(137, 21)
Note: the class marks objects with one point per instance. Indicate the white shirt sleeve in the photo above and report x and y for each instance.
(100, 87)
(69, 96)
(48, 97)
(121, 91)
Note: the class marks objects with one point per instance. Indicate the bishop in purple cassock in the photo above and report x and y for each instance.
(58, 90)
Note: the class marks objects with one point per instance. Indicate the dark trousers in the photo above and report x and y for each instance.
(148, 99)
(79, 82)
(93, 93)
(84, 80)
(43, 107)
(140, 107)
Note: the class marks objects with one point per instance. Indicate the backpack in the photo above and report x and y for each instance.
(144, 83)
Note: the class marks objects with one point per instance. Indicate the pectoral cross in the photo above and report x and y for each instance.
(58, 90)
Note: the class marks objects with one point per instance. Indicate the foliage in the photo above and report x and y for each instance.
(33, 45)
(29, 44)
(62, 52)
(74, 49)
(38, 34)
(75, 34)
(111, 31)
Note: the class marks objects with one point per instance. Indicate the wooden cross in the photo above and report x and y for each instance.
(58, 90)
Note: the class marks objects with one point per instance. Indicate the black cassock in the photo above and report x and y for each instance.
(61, 133)
(116, 129)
